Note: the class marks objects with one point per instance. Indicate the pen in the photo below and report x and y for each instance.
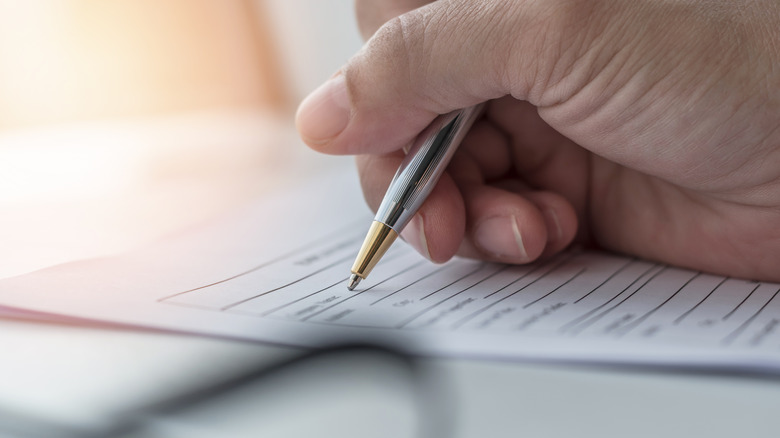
(420, 170)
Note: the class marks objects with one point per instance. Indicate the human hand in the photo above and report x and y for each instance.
(645, 127)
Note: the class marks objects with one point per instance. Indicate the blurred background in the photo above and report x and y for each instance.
(124, 120)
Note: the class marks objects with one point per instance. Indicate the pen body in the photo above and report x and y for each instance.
(423, 166)
(411, 185)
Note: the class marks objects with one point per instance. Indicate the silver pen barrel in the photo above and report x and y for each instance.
(412, 183)
(423, 166)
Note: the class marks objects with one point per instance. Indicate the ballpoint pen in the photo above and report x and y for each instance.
(420, 170)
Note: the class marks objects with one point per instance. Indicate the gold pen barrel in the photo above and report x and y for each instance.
(377, 242)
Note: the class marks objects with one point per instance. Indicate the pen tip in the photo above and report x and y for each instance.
(354, 279)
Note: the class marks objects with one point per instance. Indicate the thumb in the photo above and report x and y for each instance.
(432, 60)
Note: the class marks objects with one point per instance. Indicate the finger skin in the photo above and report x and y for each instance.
(560, 217)
(489, 148)
(488, 211)
(546, 221)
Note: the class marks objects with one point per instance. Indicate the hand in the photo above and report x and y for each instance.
(649, 128)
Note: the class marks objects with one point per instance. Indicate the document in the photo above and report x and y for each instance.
(277, 273)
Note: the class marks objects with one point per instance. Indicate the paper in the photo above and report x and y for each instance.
(277, 273)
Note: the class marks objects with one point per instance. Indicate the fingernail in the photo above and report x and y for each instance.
(500, 236)
(325, 112)
(554, 231)
(414, 234)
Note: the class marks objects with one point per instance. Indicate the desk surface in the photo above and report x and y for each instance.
(81, 375)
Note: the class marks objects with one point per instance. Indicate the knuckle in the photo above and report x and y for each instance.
(561, 36)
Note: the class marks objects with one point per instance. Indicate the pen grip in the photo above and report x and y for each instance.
(423, 166)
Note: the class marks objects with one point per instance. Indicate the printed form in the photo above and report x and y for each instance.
(277, 273)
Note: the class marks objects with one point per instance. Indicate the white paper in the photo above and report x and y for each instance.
(277, 273)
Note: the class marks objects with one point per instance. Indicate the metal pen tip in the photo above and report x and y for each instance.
(354, 279)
